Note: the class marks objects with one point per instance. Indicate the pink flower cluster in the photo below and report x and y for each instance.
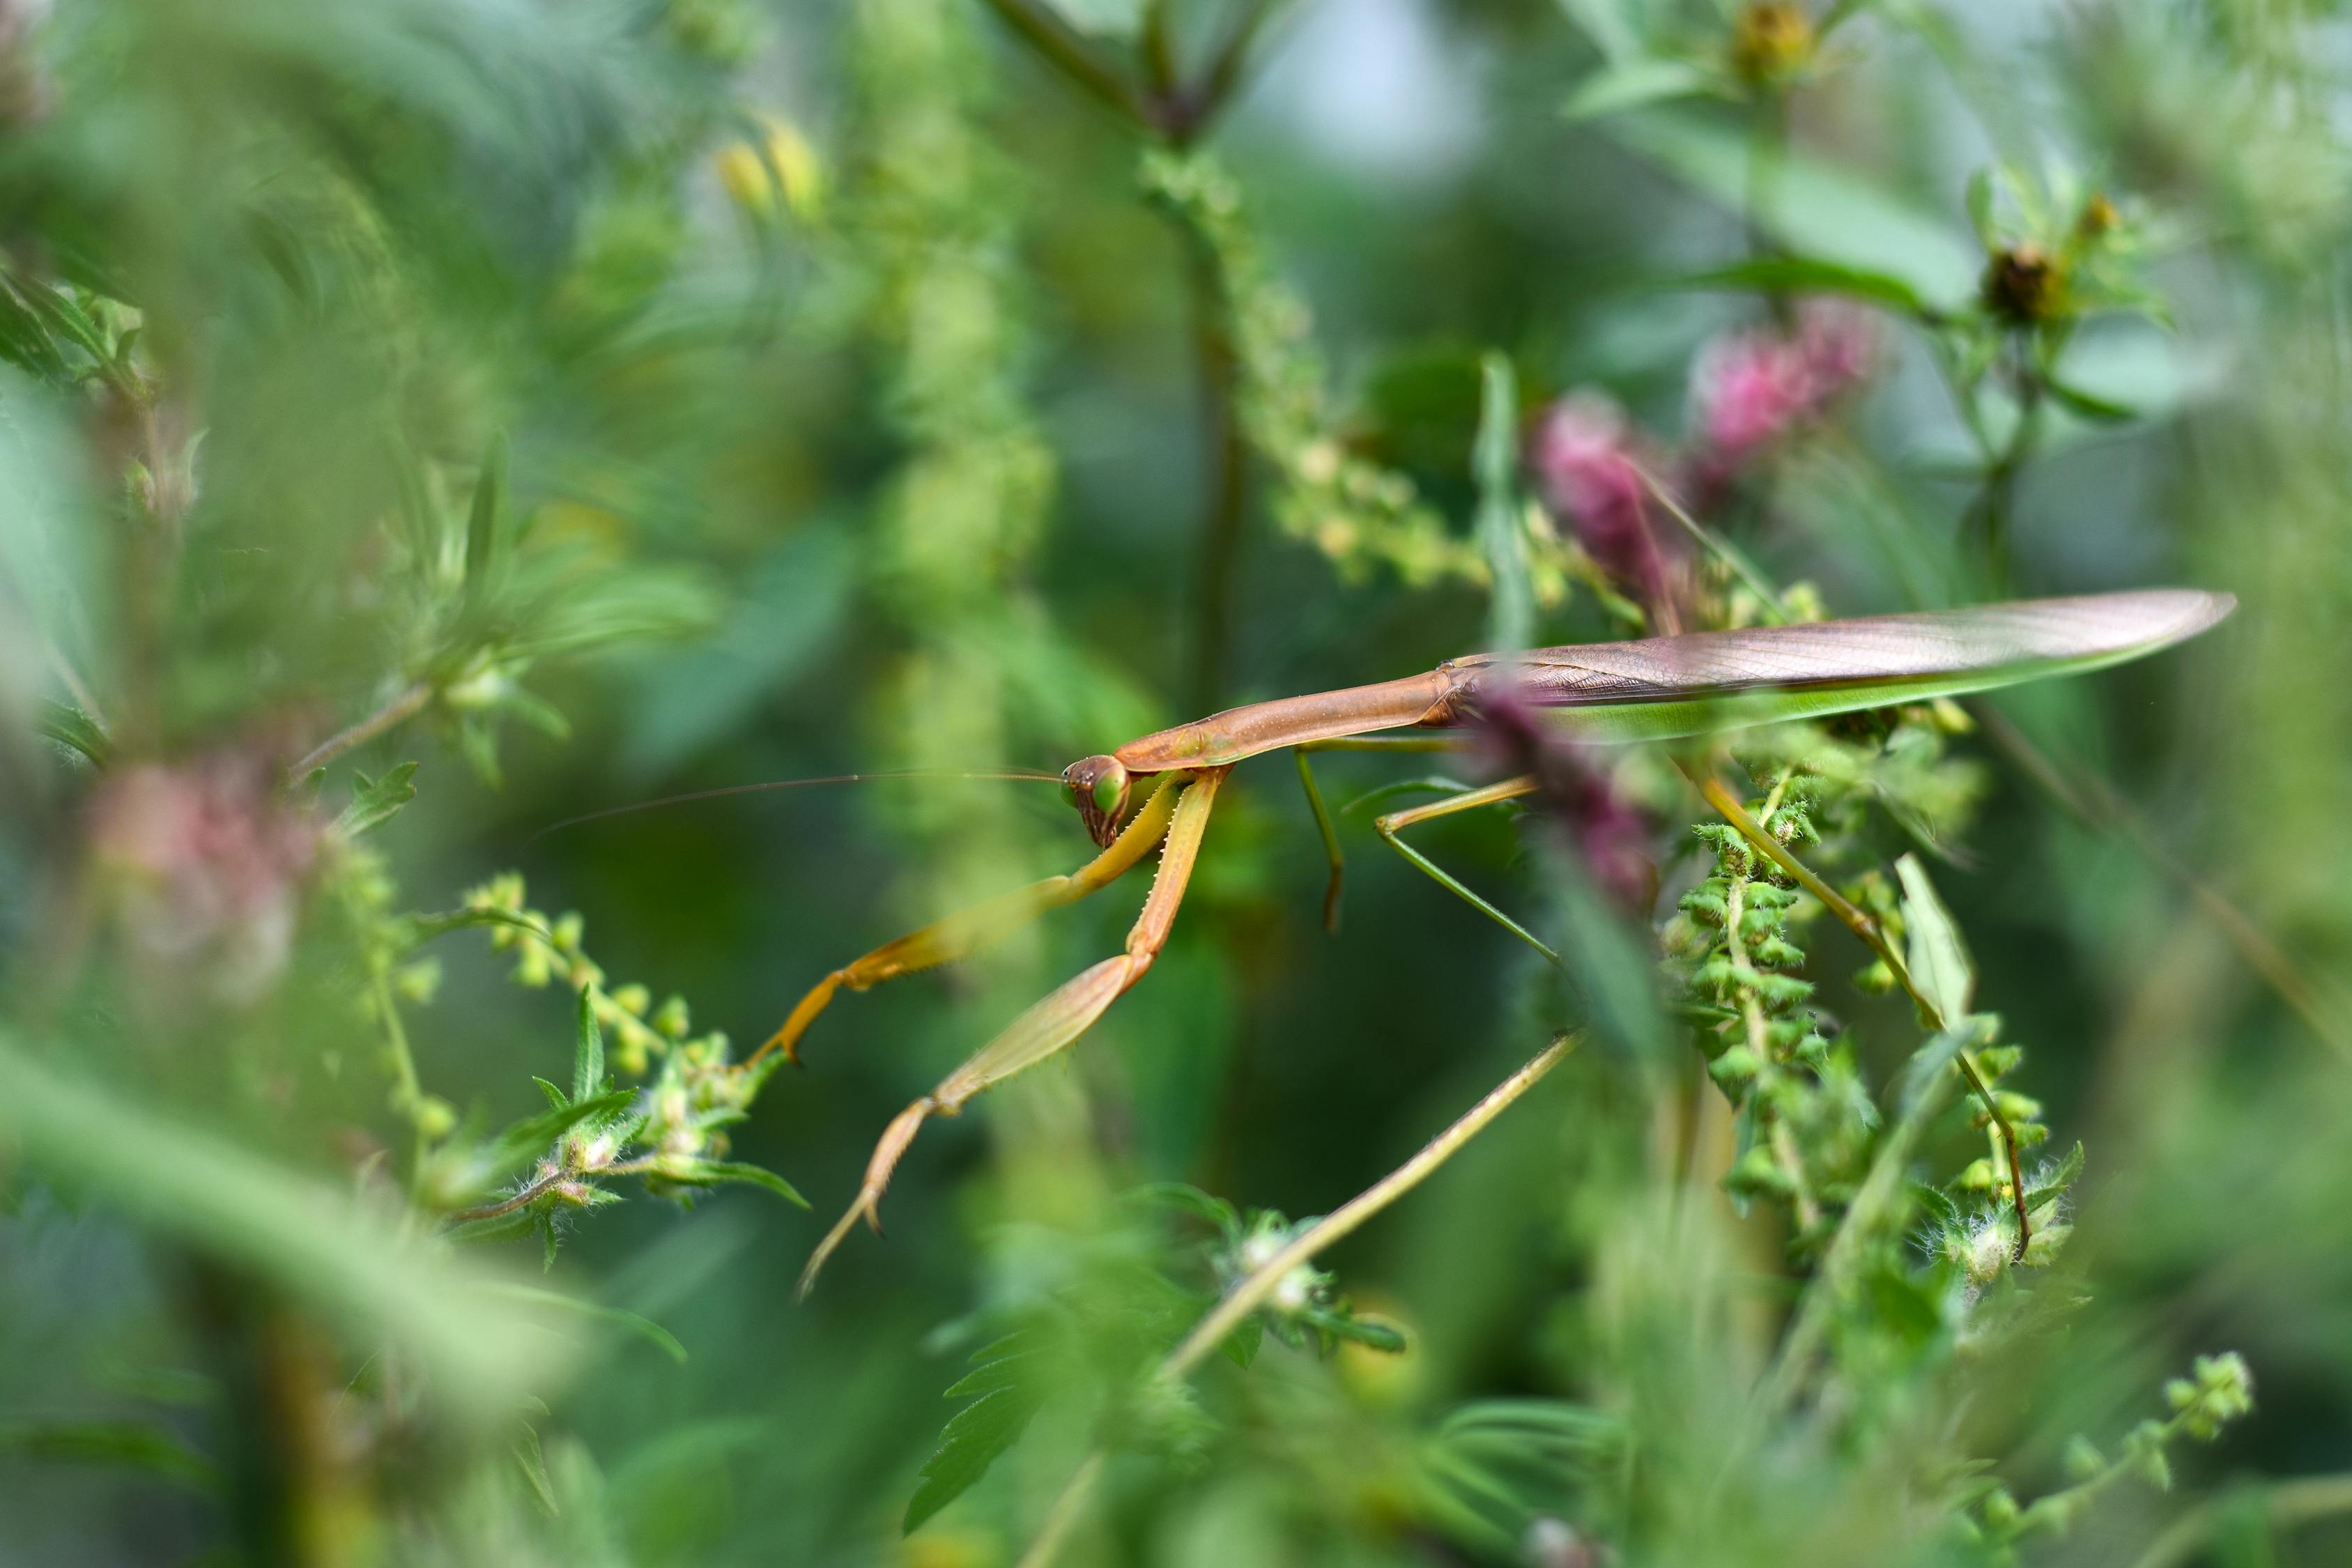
(1588, 463)
(1750, 389)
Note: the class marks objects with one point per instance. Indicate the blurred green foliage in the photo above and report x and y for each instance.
(423, 422)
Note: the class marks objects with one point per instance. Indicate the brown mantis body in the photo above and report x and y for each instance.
(1653, 689)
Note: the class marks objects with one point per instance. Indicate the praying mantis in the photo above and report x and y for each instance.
(1157, 791)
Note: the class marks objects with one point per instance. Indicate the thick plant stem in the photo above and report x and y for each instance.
(1252, 1292)
(1728, 806)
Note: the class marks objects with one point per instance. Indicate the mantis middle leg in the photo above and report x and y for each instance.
(1396, 822)
(1055, 1021)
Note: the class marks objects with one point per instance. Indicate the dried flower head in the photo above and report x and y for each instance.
(205, 861)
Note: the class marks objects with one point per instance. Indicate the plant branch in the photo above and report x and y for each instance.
(1728, 806)
(1252, 1292)
(399, 710)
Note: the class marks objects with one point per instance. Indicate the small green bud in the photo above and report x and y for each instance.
(1734, 1070)
(2000, 1510)
(2083, 1460)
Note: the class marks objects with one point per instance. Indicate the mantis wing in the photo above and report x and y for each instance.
(1661, 688)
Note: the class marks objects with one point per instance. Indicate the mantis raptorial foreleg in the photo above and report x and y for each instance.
(1395, 822)
(967, 931)
(1058, 1018)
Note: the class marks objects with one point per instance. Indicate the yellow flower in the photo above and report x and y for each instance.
(780, 163)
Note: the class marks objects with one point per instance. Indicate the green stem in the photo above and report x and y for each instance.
(2283, 1503)
(1068, 51)
(1727, 805)
(1253, 1292)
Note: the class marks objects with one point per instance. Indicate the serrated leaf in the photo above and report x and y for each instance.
(1939, 963)
(714, 1172)
(2055, 1183)
(75, 730)
(1809, 275)
(588, 1049)
(375, 802)
(973, 1439)
(1940, 1208)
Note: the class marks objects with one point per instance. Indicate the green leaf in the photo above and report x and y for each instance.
(1815, 208)
(75, 730)
(128, 1444)
(375, 802)
(2055, 1183)
(1011, 1379)
(1940, 1208)
(1495, 461)
(1240, 1346)
(1979, 203)
(1809, 275)
(1939, 963)
(2099, 410)
(304, 1234)
(1103, 18)
(645, 1327)
(485, 529)
(532, 1135)
(1635, 82)
(588, 1049)
(714, 1172)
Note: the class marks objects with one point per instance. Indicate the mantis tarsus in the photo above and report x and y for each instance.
(1159, 790)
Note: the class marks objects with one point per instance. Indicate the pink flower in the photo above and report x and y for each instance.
(1585, 460)
(1750, 389)
(1608, 833)
(206, 862)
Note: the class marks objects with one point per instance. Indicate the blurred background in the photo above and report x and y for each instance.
(594, 402)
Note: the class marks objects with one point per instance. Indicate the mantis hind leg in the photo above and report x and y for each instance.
(1055, 1021)
(967, 930)
(1396, 822)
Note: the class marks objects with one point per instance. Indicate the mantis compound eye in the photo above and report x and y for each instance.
(1099, 786)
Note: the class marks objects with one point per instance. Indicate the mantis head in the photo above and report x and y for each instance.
(1098, 786)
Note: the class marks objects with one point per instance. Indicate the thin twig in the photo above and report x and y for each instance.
(2097, 804)
(1194, 110)
(2292, 1502)
(400, 708)
(1068, 50)
(1253, 1292)
(1727, 805)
